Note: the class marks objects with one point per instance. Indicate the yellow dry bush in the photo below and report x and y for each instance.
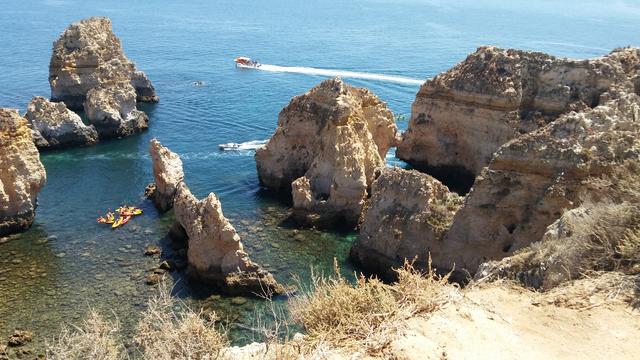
(421, 292)
(96, 339)
(367, 314)
(170, 331)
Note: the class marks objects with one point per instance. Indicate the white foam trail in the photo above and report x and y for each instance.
(341, 73)
(248, 145)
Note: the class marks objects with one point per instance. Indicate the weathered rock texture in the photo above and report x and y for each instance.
(406, 218)
(215, 253)
(168, 175)
(112, 110)
(533, 179)
(21, 173)
(462, 116)
(88, 54)
(55, 126)
(325, 149)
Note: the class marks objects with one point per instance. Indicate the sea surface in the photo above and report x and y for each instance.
(67, 263)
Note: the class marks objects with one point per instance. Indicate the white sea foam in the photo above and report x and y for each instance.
(341, 73)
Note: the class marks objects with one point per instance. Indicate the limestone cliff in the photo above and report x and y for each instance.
(462, 116)
(215, 253)
(112, 110)
(55, 126)
(533, 179)
(326, 146)
(406, 217)
(81, 60)
(21, 173)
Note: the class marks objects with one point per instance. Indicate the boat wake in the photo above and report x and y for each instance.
(248, 145)
(341, 73)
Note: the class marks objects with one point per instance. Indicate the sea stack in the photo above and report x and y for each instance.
(22, 175)
(462, 116)
(325, 149)
(89, 70)
(215, 253)
(54, 126)
(111, 108)
(83, 58)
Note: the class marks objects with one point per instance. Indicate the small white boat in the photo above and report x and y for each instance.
(249, 145)
(245, 62)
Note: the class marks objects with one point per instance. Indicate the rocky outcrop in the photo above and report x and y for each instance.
(406, 218)
(533, 179)
(55, 126)
(88, 54)
(168, 175)
(112, 110)
(21, 173)
(215, 253)
(462, 116)
(325, 149)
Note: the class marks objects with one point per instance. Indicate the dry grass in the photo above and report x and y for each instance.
(96, 339)
(367, 314)
(169, 330)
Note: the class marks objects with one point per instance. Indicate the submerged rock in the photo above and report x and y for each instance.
(214, 251)
(168, 174)
(56, 126)
(22, 174)
(406, 218)
(20, 338)
(112, 110)
(83, 58)
(462, 116)
(532, 180)
(325, 149)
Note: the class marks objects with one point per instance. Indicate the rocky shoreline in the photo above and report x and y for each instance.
(514, 155)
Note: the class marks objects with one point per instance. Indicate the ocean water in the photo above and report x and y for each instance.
(67, 263)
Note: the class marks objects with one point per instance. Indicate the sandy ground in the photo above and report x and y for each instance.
(506, 322)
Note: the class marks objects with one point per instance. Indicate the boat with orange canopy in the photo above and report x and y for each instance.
(246, 62)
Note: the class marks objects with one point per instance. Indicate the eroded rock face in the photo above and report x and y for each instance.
(112, 110)
(83, 58)
(21, 173)
(327, 144)
(55, 126)
(406, 217)
(462, 116)
(168, 174)
(533, 179)
(215, 253)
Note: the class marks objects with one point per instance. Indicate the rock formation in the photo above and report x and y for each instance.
(215, 253)
(83, 58)
(112, 110)
(533, 179)
(55, 126)
(168, 174)
(21, 173)
(462, 116)
(406, 217)
(325, 149)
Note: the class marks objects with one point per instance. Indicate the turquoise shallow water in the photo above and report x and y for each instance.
(67, 263)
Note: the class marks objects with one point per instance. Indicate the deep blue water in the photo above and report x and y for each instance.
(179, 42)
